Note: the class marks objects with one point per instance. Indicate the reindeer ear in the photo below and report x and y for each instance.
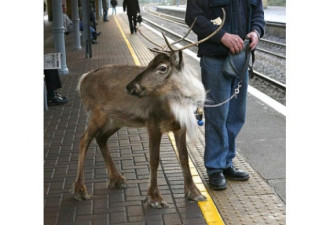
(155, 51)
(180, 58)
(177, 59)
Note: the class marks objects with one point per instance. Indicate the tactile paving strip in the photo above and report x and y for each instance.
(248, 202)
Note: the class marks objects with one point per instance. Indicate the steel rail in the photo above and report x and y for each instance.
(168, 31)
(172, 19)
(273, 42)
(271, 53)
(269, 80)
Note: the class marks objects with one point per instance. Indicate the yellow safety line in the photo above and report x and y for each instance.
(208, 208)
(129, 46)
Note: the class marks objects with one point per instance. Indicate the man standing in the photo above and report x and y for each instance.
(132, 9)
(105, 10)
(223, 123)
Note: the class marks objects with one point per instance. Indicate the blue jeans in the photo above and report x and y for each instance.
(105, 14)
(92, 32)
(114, 11)
(223, 123)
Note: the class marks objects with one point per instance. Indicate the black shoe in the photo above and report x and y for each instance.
(94, 42)
(234, 174)
(57, 100)
(217, 181)
(98, 33)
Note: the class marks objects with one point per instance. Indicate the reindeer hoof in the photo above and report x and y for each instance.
(199, 198)
(196, 197)
(117, 183)
(81, 197)
(80, 192)
(157, 204)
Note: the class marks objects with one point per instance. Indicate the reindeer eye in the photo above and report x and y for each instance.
(162, 68)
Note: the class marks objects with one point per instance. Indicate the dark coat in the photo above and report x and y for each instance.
(241, 19)
(105, 4)
(114, 3)
(132, 7)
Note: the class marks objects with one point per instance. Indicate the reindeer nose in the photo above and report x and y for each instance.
(133, 89)
(130, 89)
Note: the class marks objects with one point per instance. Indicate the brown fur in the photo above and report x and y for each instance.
(105, 95)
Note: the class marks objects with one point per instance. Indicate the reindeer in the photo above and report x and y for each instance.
(162, 97)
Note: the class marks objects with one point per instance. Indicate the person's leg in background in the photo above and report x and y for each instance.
(53, 82)
(92, 33)
(130, 21)
(135, 22)
(105, 15)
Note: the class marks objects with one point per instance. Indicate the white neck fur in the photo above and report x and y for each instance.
(191, 94)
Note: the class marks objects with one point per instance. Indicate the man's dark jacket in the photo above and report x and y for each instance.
(132, 7)
(242, 16)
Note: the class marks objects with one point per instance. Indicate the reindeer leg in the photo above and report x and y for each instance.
(79, 187)
(191, 191)
(154, 197)
(97, 120)
(116, 179)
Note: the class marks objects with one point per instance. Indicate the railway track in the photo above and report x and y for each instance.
(164, 16)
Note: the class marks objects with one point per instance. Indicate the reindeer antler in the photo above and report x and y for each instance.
(159, 51)
(170, 45)
(200, 41)
(190, 28)
(148, 38)
(165, 46)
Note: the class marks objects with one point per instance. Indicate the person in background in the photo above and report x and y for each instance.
(67, 22)
(133, 9)
(105, 10)
(92, 8)
(114, 3)
(92, 20)
(53, 82)
(222, 124)
(93, 34)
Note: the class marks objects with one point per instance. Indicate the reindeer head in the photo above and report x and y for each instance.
(155, 80)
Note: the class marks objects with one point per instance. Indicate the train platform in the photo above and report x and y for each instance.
(251, 202)
(275, 14)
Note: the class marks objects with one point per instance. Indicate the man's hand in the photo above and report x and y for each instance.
(254, 39)
(233, 42)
